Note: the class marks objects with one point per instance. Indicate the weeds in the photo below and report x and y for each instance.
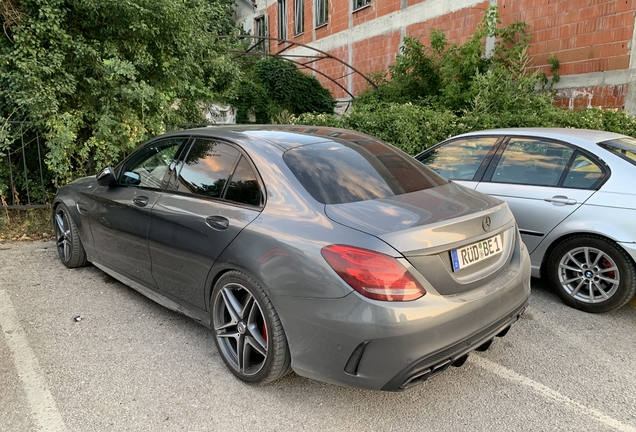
(25, 225)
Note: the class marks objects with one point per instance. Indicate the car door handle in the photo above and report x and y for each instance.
(217, 222)
(561, 199)
(141, 201)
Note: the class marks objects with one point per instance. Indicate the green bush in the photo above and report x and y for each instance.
(433, 93)
(271, 87)
(97, 77)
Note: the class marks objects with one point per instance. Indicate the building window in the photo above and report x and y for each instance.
(322, 12)
(282, 19)
(299, 16)
(260, 29)
(357, 4)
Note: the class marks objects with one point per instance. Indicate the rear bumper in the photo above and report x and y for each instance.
(375, 345)
(438, 362)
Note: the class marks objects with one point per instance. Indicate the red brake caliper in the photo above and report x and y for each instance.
(606, 264)
(264, 331)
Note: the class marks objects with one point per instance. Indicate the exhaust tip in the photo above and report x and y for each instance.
(503, 332)
(484, 346)
(460, 361)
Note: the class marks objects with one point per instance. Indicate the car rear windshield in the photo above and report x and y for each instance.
(623, 147)
(338, 172)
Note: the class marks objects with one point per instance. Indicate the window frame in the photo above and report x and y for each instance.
(612, 148)
(479, 173)
(261, 28)
(173, 187)
(282, 19)
(503, 145)
(360, 4)
(299, 25)
(134, 157)
(318, 4)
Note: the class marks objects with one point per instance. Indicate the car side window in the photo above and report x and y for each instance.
(207, 168)
(460, 159)
(532, 161)
(583, 173)
(243, 187)
(150, 165)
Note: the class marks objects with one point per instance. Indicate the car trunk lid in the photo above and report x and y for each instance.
(455, 237)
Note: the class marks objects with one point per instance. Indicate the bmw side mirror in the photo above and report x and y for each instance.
(106, 176)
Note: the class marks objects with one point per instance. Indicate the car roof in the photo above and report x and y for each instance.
(578, 136)
(283, 136)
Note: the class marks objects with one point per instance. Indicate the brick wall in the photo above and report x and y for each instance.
(459, 26)
(585, 35)
(590, 37)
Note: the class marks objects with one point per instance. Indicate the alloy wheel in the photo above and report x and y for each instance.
(240, 329)
(63, 235)
(588, 275)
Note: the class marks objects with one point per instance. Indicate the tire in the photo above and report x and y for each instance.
(248, 333)
(69, 245)
(592, 274)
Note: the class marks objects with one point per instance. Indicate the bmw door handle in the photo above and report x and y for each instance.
(217, 222)
(561, 199)
(140, 201)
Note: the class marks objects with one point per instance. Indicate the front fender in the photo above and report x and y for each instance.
(76, 197)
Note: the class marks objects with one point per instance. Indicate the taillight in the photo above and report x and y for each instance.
(372, 274)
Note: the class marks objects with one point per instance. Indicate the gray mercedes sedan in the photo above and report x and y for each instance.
(573, 196)
(319, 250)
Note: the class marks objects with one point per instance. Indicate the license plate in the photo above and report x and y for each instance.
(476, 252)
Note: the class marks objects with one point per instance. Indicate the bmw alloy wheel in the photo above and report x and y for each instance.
(592, 273)
(589, 275)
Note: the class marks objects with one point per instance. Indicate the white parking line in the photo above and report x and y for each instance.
(548, 393)
(42, 405)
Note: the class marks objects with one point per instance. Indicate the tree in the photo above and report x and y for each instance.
(97, 77)
(271, 86)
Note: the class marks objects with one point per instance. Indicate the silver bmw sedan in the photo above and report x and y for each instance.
(573, 194)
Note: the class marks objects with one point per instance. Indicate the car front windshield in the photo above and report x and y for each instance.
(339, 171)
(623, 147)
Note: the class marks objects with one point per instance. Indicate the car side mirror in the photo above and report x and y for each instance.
(131, 178)
(106, 176)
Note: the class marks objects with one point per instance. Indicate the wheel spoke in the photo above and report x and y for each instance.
(232, 305)
(575, 261)
(567, 267)
(253, 322)
(578, 288)
(256, 345)
(242, 355)
(569, 281)
(230, 323)
(601, 290)
(590, 289)
(586, 254)
(609, 269)
(247, 306)
(608, 280)
(67, 250)
(59, 220)
(234, 335)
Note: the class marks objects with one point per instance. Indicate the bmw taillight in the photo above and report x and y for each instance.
(372, 274)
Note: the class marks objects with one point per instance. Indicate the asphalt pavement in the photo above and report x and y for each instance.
(81, 352)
